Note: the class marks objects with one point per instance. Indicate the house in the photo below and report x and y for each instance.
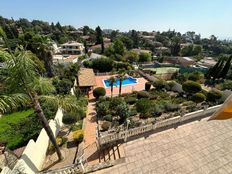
(182, 61)
(72, 47)
(86, 80)
(207, 62)
(139, 51)
(64, 59)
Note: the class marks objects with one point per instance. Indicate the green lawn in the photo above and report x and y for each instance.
(7, 133)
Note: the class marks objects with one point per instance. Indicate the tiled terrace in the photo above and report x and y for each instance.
(125, 89)
(199, 147)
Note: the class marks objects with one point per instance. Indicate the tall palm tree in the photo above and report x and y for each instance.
(22, 82)
(121, 77)
(112, 81)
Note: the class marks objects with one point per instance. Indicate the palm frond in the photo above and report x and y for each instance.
(43, 86)
(12, 101)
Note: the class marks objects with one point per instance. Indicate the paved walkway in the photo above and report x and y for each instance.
(197, 148)
(90, 125)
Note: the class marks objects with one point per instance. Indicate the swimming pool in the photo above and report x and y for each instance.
(127, 81)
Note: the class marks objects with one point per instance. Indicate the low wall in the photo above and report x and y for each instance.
(150, 127)
(34, 154)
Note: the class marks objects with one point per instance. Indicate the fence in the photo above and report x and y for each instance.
(34, 154)
(151, 127)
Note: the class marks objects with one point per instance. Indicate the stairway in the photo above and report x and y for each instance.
(111, 152)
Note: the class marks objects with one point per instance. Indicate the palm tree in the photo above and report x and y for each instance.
(112, 81)
(43, 48)
(22, 82)
(121, 77)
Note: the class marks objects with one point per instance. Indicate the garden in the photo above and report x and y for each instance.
(158, 101)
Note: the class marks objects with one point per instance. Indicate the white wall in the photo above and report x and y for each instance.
(34, 154)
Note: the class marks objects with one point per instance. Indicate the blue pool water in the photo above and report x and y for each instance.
(127, 81)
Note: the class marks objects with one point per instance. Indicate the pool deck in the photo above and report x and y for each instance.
(139, 86)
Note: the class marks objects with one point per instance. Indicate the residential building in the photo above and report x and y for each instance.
(207, 62)
(72, 47)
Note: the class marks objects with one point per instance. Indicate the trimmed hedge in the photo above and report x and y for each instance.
(191, 87)
(98, 92)
(198, 97)
(214, 95)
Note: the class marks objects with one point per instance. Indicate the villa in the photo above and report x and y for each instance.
(72, 47)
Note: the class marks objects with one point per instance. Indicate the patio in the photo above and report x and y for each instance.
(140, 85)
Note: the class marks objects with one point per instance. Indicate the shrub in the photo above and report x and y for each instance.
(142, 94)
(214, 95)
(78, 136)
(98, 92)
(191, 87)
(144, 57)
(115, 101)
(147, 86)
(133, 112)
(107, 117)
(102, 109)
(60, 141)
(122, 111)
(198, 97)
(143, 105)
(69, 118)
(159, 84)
(62, 86)
(102, 64)
(227, 85)
(105, 125)
(130, 100)
(195, 76)
(170, 107)
(75, 127)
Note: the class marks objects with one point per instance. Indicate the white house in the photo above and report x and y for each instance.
(72, 47)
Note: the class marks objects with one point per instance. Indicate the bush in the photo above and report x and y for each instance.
(227, 85)
(142, 94)
(195, 76)
(147, 86)
(214, 95)
(102, 109)
(75, 127)
(191, 87)
(145, 57)
(78, 136)
(98, 92)
(102, 64)
(69, 118)
(143, 105)
(105, 125)
(133, 112)
(115, 101)
(198, 97)
(122, 111)
(60, 141)
(159, 84)
(107, 117)
(62, 86)
(130, 100)
(170, 107)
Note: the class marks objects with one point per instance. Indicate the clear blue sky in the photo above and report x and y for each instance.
(203, 16)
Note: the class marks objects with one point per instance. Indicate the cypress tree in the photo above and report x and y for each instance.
(226, 68)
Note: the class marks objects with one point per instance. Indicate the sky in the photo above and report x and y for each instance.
(205, 17)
